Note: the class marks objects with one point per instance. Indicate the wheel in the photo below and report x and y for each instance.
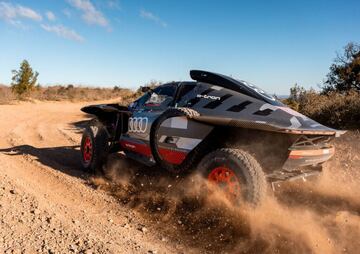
(154, 138)
(236, 173)
(94, 147)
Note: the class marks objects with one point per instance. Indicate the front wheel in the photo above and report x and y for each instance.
(235, 173)
(94, 147)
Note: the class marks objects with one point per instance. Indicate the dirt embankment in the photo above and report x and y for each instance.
(47, 204)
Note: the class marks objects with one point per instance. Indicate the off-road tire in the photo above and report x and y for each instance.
(99, 139)
(246, 168)
(191, 157)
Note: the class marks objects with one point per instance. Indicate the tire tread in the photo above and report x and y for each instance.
(257, 184)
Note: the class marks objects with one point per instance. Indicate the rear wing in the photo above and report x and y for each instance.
(105, 108)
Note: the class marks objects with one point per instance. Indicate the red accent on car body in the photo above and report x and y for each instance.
(299, 154)
(169, 155)
(295, 157)
(152, 105)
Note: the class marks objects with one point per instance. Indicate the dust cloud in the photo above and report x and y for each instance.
(320, 216)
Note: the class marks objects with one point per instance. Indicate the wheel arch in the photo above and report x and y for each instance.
(269, 148)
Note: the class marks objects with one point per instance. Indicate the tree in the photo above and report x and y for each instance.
(24, 80)
(296, 94)
(117, 88)
(344, 73)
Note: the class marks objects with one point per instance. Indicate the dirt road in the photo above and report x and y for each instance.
(48, 205)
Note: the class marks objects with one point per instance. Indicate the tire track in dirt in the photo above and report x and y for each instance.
(43, 187)
(149, 210)
(321, 216)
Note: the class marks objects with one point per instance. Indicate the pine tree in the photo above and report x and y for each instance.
(24, 80)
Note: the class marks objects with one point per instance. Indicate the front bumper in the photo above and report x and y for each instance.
(307, 157)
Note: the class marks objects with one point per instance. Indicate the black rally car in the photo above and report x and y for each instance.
(234, 134)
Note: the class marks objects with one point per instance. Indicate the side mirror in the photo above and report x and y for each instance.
(145, 89)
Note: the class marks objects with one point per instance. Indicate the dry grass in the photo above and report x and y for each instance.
(69, 93)
(6, 96)
(337, 110)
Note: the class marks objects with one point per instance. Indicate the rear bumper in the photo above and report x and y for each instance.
(307, 157)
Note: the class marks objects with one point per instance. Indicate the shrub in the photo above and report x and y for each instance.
(334, 109)
(6, 95)
(24, 80)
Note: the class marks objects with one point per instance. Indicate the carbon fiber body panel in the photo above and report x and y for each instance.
(243, 111)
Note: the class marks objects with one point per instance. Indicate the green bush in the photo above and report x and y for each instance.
(24, 80)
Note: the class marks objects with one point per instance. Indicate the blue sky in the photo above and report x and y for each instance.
(115, 42)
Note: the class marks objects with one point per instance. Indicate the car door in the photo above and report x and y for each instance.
(145, 111)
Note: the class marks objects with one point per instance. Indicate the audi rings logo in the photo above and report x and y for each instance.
(138, 124)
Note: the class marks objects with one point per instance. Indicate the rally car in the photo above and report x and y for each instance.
(232, 133)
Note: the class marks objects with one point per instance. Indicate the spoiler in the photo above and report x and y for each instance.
(105, 108)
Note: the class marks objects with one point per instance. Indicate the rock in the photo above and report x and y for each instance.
(34, 211)
(143, 229)
(13, 191)
(72, 248)
(152, 251)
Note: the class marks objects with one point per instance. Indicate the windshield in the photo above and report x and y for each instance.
(161, 96)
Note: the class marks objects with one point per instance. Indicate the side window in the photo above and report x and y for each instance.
(162, 96)
(185, 90)
(186, 95)
(140, 102)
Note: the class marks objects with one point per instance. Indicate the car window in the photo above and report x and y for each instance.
(161, 96)
(185, 89)
(141, 101)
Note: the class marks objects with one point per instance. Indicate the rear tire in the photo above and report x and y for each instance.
(94, 147)
(236, 173)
